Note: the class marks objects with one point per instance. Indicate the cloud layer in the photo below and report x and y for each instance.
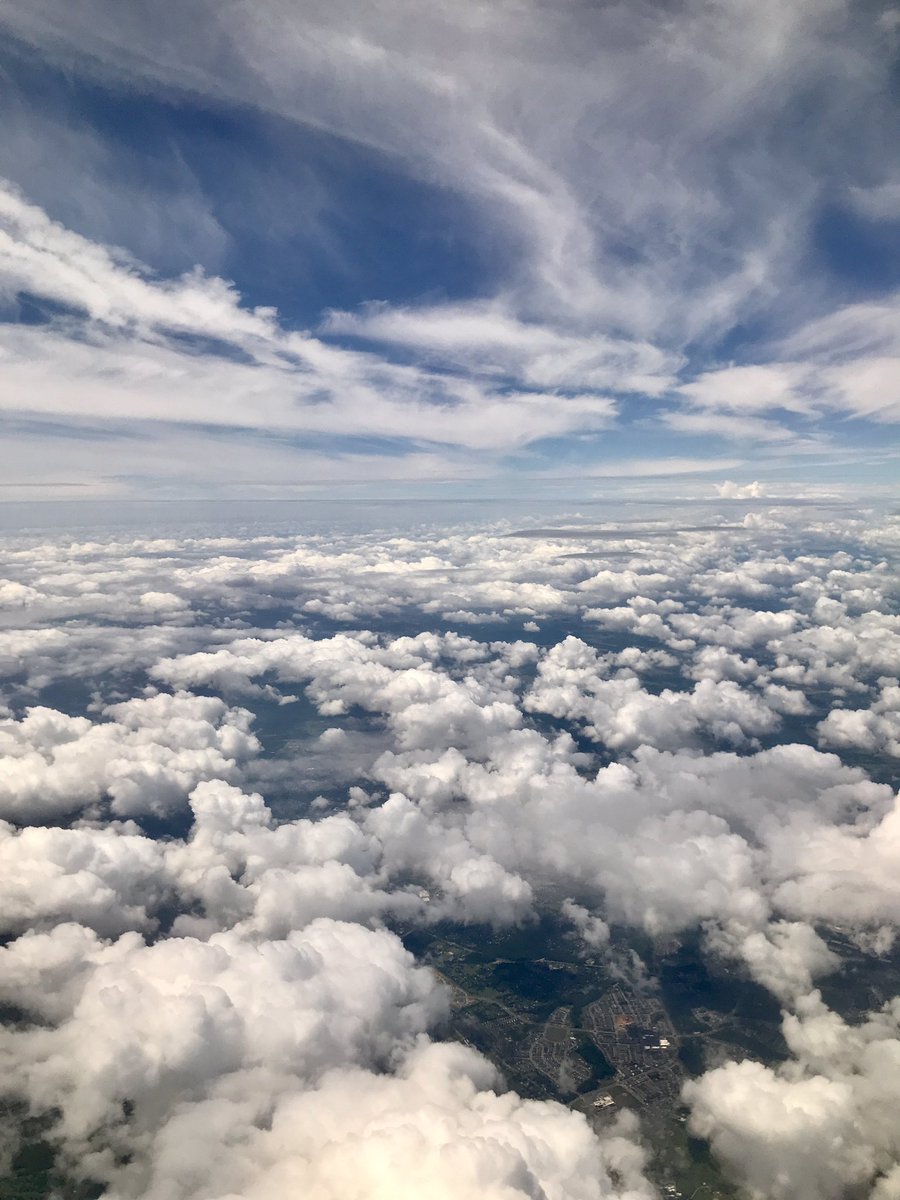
(354, 245)
(676, 726)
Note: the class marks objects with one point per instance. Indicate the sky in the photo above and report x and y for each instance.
(279, 250)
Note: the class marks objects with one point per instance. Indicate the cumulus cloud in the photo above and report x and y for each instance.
(593, 930)
(623, 715)
(234, 984)
(289, 1004)
(243, 869)
(436, 1125)
(740, 491)
(785, 958)
(704, 833)
(875, 728)
(144, 758)
(268, 1053)
(822, 1124)
(110, 879)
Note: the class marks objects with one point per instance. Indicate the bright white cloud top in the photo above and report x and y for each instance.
(293, 749)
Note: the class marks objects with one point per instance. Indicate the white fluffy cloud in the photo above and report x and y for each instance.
(571, 683)
(666, 840)
(110, 879)
(189, 1012)
(233, 985)
(298, 1064)
(244, 869)
(820, 1126)
(435, 1127)
(145, 757)
(875, 728)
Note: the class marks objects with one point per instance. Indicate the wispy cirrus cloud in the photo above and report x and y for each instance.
(515, 248)
(680, 203)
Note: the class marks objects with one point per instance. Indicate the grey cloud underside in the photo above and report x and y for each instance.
(698, 738)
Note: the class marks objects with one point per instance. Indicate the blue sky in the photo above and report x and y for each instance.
(281, 249)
